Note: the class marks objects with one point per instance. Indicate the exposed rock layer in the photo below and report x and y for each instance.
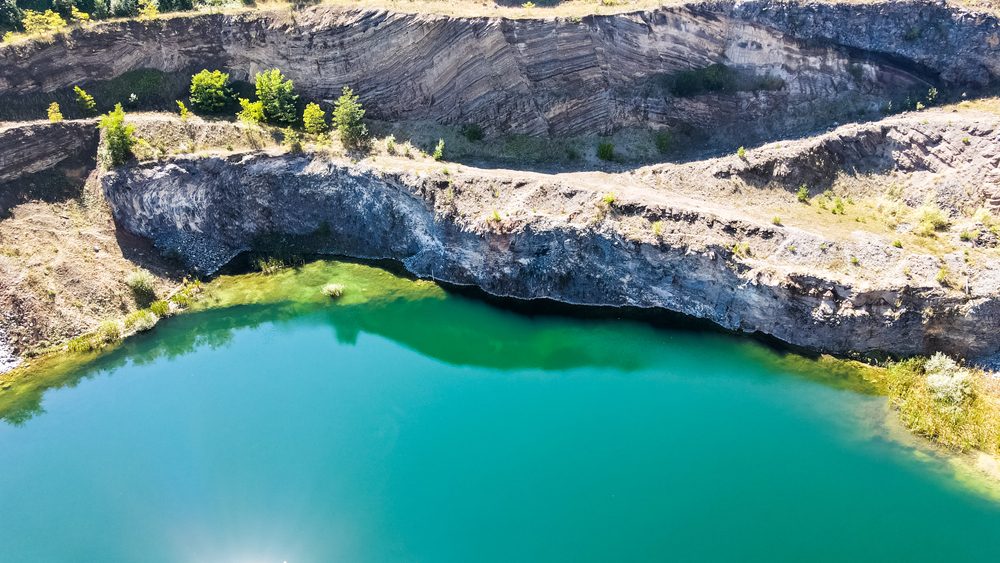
(573, 248)
(802, 65)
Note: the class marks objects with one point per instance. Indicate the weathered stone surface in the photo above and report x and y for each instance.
(556, 76)
(554, 238)
(36, 147)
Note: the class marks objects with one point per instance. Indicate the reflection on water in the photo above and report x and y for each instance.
(400, 423)
(382, 303)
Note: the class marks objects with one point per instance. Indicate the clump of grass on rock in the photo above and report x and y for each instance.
(334, 290)
(140, 321)
(142, 284)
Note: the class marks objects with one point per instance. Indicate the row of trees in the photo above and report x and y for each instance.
(277, 104)
(16, 15)
(210, 92)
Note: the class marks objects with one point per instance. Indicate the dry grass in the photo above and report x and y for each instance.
(973, 424)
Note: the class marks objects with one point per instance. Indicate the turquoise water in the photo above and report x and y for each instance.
(444, 429)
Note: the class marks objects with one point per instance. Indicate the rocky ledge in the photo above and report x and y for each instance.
(694, 238)
(792, 67)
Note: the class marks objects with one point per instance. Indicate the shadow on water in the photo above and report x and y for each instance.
(494, 333)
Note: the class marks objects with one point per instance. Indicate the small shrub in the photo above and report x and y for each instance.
(855, 261)
(142, 284)
(969, 236)
(39, 23)
(920, 106)
(76, 15)
(776, 221)
(292, 140)
(348, 120)
(930, 218)
(277, 95)
(119, 137)
(897, 243)
(108, 332)
(390, 144)
(333, 290)
(495, 217)
(741, 249)
(942, 276)
(803, 194)
(210, 91)
(85, 100)
(160, 309)
(472, 131)
(657, 228)
(82, 344)
(438, 150)
(606, 151)
(148, 9)
(55, 115)
(314, 119)
(932, 95)
(838, 207)
(948, 382)
(140, 321)
(252, 112)
(966, 140)
(183, 110)
(528, 5)
(608, 199)
(741, 153)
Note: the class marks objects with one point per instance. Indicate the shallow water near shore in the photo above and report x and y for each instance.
(403, 423)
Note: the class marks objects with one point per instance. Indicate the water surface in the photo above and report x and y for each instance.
(404, 424)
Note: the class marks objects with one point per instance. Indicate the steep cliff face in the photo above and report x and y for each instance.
(796, 66)
(35, 147)
(561, 237)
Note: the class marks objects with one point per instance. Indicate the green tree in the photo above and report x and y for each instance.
(314, 119)
(252, 112)
(10, 14)
(85, 100)
(124, 8)
(210, 90)
(55, 114)
(348, 115)
(148, 9)
(36, 23)
(277, 95)
(183, 110)
(119, 136)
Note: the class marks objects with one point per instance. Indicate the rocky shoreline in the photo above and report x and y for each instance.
(637, 239)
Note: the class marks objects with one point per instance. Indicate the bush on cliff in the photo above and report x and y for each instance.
(85, 100)
(314, 119)
(210, 91)
(38, 23)
(348, 119)
(55, 114)
(277, 96)
(119, 137)
(252, 112)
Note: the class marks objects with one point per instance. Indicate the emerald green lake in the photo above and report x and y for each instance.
(404, 424)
